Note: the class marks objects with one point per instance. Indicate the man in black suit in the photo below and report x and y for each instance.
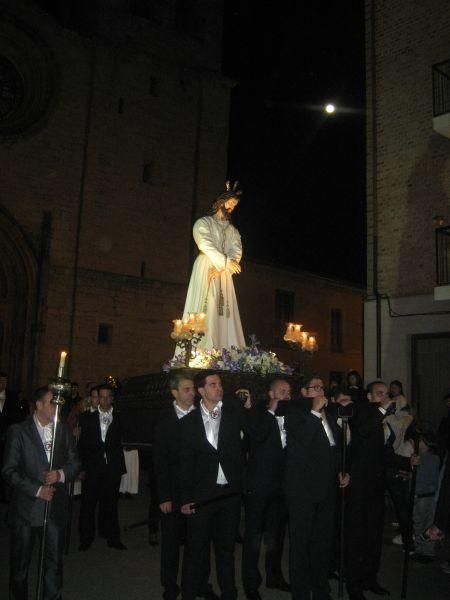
(371, 452)
(311, 479)
(265, 502)
(211, 479)
(26, 470)
(101, 454)
(11, 411)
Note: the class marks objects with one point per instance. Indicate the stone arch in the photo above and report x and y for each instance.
(18, 272)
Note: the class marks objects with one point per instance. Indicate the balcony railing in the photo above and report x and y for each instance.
(441, 88)
(443, 256)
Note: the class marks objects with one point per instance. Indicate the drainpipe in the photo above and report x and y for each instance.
(198, 130)
(82, 193)
(37, 326)
(378, 315)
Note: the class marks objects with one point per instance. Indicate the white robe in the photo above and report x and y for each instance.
(217, 241)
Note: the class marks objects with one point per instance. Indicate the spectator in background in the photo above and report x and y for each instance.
(396, 393)
(70, 402)
(427, 483)
(397, 426)
(100, 448)
(356, 387)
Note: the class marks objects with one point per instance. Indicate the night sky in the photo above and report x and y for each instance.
(302, 171)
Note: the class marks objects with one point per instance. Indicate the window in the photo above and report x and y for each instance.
(148, 174)
(153, 87)
(189, 21)
(336, 330)
(105, 334)
(284, 312)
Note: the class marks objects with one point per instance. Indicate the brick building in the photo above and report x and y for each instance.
(407, 314)
(113, 138)
(270, 296)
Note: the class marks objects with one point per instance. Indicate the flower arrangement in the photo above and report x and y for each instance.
(250, 359)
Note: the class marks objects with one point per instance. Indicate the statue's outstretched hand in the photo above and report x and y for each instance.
(233, 267)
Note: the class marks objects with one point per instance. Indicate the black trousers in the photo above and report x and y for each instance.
(173, 527)
(217, 523)
(173, 534)
(364, 533)
(265, 517)
(311, 526)
(22, 542)
(102, 489)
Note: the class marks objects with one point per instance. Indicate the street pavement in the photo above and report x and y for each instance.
(104, 573)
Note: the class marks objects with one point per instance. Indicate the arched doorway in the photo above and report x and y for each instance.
(17, 302)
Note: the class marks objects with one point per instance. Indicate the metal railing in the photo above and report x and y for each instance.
(441, 88)
(443, 256)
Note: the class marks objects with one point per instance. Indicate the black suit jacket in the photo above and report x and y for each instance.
(166, 456)
(312, 465)
(199, 460)
(92, 449)
(266, 455)
(23, 469)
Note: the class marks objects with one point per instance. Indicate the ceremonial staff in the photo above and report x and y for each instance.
(344, 413)
(409, 527)
(60, 387)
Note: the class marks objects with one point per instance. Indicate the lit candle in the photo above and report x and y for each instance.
(62, 362)
(311, 342)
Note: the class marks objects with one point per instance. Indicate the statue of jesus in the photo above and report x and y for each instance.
(211, 288)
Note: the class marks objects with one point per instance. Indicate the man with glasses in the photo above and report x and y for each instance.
(312, 477)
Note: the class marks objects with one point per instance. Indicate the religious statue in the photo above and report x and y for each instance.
(211, 288)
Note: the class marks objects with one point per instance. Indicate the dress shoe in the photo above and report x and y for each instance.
(424, 559)
(209, 595)
(252, 595)
(356, 595)
(84, 546)
(117, 544)
(281, 585)
(376, 588)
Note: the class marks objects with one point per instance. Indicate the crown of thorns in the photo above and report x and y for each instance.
(232, 191)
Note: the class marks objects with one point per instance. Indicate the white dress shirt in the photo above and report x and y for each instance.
(280, 422)
(211, 421)
(106, 418)
(46, 434)
(180, 412)
(327, 428)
